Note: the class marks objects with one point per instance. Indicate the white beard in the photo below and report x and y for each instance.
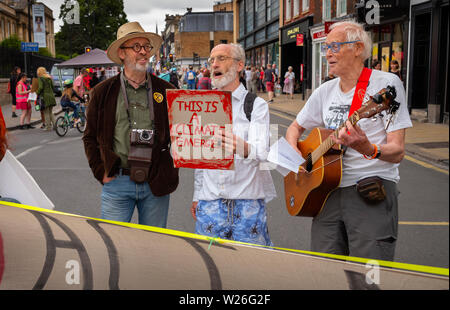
(135, 67)
(226, 78)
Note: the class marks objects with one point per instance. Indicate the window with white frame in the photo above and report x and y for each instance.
(341, 8)
(288, 9)
(296, 8)
(326, 10)
(305, 5)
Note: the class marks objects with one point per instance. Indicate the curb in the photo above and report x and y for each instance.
(12, 128)
(410, 149)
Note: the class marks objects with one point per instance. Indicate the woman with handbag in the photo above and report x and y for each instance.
(45, 91)
(289, 82)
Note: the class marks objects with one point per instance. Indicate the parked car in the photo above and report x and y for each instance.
(66, 73)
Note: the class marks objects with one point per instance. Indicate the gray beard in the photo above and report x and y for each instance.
(226, 79)
(135, 67)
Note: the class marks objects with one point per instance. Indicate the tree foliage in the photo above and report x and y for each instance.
(11, 42)
(99, 21)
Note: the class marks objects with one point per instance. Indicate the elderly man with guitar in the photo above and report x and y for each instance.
(349, 180)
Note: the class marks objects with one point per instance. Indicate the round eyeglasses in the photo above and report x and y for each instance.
(335, 46)
(219, 59)
(137, 47)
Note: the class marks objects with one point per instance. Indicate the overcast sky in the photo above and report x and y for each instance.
(148, 13)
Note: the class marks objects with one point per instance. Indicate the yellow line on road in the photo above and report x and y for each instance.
(282, 116)
(424, 164)
(424, 223)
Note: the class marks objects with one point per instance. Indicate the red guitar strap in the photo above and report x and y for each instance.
(360, 90)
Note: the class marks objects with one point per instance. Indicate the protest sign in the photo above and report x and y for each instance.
(195, 116)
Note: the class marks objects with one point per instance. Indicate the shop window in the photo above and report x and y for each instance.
(272, 31)
(288, 9)
(305, 5)
(275, 9)
(241, 19)
(341, 8)
(296, 8)
(260, 12)
(249, 15)
(326, 7)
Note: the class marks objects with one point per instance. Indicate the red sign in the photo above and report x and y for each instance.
(301, 72)
(327, 27)
(319, 34)
(299, 39)
(195, 116)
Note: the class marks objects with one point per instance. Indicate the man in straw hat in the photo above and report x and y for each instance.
(127, 135)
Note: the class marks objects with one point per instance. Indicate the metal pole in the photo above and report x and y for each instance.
(29, 33)
(25, 61)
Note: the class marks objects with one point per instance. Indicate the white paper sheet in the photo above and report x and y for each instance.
(285, 157)
(17, 183)
(32, 97)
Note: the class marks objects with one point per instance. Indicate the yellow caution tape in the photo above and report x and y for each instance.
(403, 266)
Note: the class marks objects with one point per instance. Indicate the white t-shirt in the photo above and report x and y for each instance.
(328, 107)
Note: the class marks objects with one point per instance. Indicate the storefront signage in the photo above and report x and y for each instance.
(319, 35)
(300, 39)
(289, 34)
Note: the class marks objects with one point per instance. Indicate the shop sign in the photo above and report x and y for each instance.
(300, 39)
(319, 35)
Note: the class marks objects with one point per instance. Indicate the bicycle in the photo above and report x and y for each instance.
(67, 121)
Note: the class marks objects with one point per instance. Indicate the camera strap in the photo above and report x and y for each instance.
(149, 98)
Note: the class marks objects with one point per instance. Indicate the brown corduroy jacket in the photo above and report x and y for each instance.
(99, 135)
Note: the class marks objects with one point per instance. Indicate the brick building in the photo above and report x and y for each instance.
(199, 32)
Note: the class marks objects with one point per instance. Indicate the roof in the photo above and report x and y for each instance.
(96, 57)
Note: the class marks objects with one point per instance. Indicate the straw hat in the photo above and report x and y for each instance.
(130, 31)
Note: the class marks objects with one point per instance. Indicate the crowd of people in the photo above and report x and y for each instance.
(231, 204)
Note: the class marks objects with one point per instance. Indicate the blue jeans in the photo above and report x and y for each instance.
(70, 104)
(121, 195)
(191, 85)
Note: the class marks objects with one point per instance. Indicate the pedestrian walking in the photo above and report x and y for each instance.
(254, 80)
(261, 87)
(78, 84)
(45, 90)
(22, 102)
(269, 79)
(205, 81)
(289, 82)
(12, 89)
(190, 78)
(248, 77)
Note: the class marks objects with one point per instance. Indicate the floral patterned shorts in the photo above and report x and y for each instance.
(239, 220)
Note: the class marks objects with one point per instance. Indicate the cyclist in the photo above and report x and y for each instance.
(67, 99)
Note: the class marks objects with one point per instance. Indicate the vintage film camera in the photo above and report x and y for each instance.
(140, 155)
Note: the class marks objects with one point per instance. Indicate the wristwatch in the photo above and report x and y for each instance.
(378, 151)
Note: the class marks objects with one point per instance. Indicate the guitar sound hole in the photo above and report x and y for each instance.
(309, 164)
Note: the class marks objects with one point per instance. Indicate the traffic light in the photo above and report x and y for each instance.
(87, 49)
(171, 57)
(195, 57)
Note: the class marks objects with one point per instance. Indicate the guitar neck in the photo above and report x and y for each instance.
(328, 143)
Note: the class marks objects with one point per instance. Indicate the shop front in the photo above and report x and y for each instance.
(319, 60)
(296, 52)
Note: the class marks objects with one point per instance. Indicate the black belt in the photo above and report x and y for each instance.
(124, 171)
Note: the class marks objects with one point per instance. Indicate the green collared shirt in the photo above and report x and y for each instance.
(139, 117)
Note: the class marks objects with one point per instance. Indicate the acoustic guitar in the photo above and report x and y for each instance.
(307, 191)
